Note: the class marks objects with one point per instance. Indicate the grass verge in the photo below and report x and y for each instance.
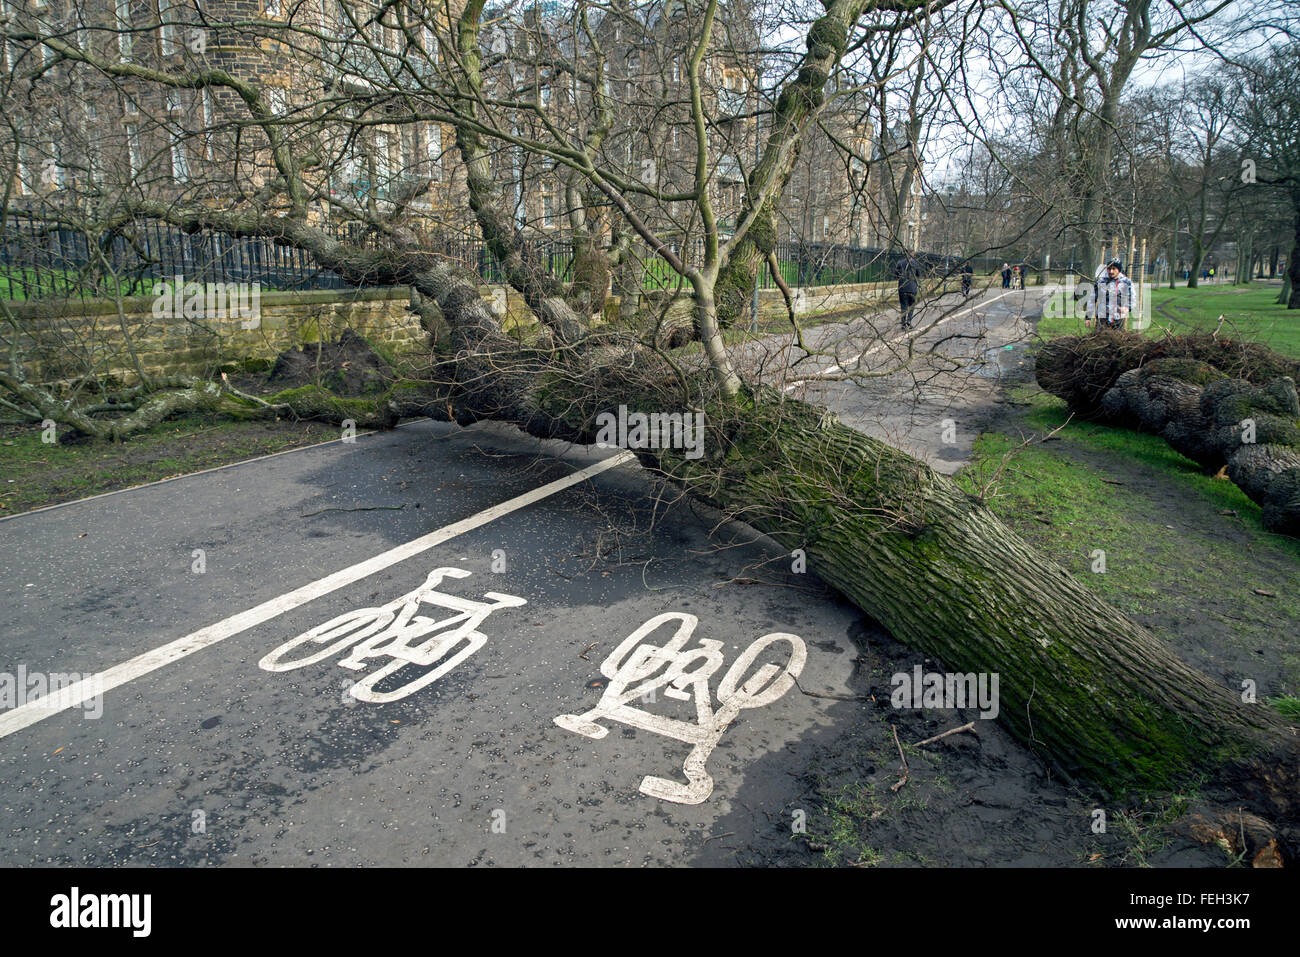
(1249, 312)
(34, 473)
(1182, 552)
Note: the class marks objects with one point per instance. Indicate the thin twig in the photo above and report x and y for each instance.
(970, 726)
(906, 770)
(367, 508)
(834, 697)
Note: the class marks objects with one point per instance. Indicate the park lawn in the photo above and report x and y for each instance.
(1249, 312)
(1186, 553)
(34, 474)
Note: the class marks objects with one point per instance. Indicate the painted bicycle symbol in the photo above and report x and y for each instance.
(638, 670)
(396, 632)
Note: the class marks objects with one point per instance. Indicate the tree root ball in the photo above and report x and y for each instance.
(1219, 403)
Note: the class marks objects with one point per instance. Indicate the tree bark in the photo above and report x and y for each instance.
(1293, 263)
(1093, 693)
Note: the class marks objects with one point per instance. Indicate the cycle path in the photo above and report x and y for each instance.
(197, 754)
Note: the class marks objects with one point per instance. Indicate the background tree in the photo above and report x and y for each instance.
(1101, 699)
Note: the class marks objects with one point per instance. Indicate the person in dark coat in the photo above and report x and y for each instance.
(967, 274)
(907, 271)
(1006, 275)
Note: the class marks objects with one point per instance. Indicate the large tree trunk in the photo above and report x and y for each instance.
(1097, 696)
(1293, 263)
(1194, 264)
(1100, 699)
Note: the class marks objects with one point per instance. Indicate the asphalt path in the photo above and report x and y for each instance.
(928, 390)
(494, 581)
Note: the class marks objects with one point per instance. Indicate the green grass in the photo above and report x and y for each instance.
(1058, 497)
(1249, 312)
(1146, 830)
(1286, 706)
(34, 473)
(21, 284)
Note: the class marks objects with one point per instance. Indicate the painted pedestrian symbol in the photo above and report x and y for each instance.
(638, 670)
(396, 632)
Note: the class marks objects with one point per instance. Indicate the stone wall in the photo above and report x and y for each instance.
(62, 340)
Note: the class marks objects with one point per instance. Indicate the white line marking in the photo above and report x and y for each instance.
(74, 694)
(835, 367)
(387, 632)
(666, 666)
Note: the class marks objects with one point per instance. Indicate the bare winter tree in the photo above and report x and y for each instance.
(1271, 139)
(314, 117)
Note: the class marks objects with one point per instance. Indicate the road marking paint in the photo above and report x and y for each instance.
(634, 672)
(387, 632)
(835, 367)
(72, 695)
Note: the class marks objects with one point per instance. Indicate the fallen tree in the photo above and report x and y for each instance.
(1228, 406)
(1100, 699)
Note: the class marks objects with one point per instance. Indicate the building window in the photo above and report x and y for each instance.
(180, 165)
(209, 121)
(548, 207)
(25, 182)
(83, 34)
(10, 51)
(134, 154)
(383, 157)
(122, 14)
(434, 150)
(168, 30)
(96, 163)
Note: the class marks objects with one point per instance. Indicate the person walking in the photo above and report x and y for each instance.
(1092, 291)
(1114, 297)
(907, 271)
(1006, 275)
(967, 276)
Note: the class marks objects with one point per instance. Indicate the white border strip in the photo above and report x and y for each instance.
(81, 691)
